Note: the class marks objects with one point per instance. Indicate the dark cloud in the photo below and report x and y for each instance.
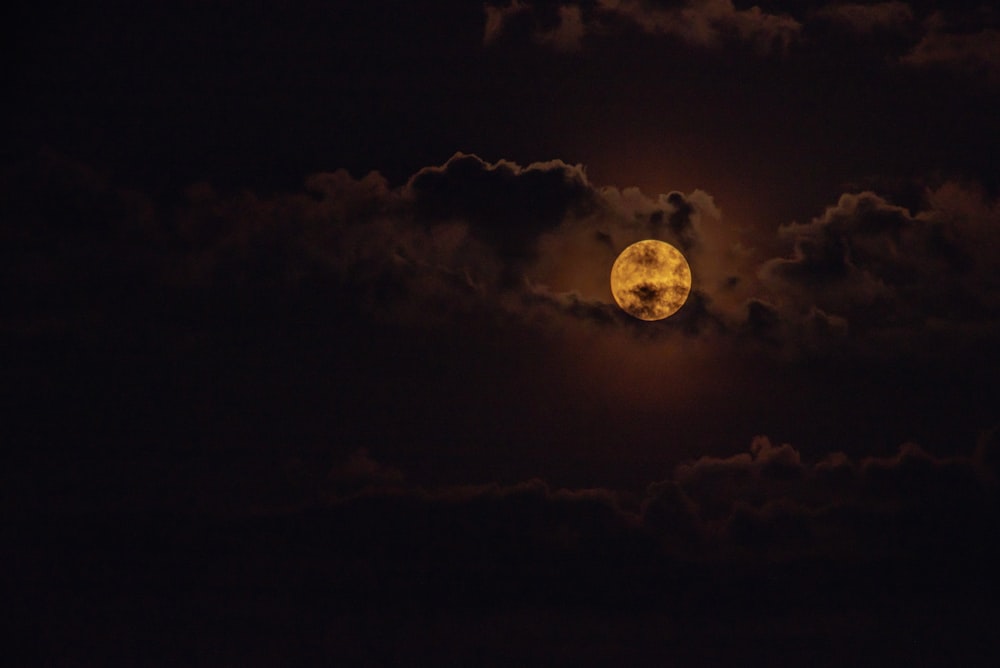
(571, 303)
(976, 52)
(793, 333)
(703, 23)
(770, 502)
(504, 204)
(766, 503)
(472, 236)
(220, 275)
(269, 321)
(704, 501)
(879, 265)
(679, 219)
(763, 320)
(526, 571)
(362, 473)
(497, 18)
(559, 26)
(716, 484)
(464, 236)
(959, 38)
(673, 517)
(868, 18)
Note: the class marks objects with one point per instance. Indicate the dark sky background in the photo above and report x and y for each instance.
(310, 355)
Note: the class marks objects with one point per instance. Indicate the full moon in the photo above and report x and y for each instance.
(650, 280)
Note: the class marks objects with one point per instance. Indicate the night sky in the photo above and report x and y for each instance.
(310, 355)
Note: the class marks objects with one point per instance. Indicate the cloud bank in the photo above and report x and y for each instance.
(959, 40)
(767, 503)
(471, 236)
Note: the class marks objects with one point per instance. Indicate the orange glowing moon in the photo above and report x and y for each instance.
(650, 280)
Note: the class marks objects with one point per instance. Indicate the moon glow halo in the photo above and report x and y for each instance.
(650, 280)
